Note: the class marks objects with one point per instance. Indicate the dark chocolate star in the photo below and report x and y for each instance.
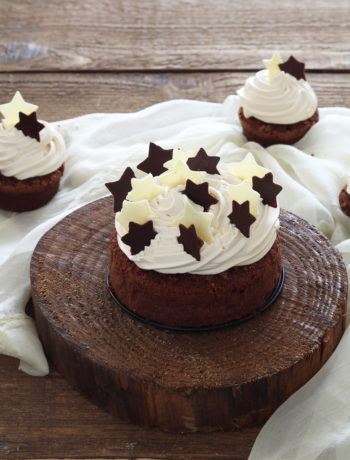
(203, 162)
(190, 241)
(199, 194)
(156, 158)
(241, 217)
(267, 189)
(29, 125)
(120, 188)
(139, 236)
(294, 67)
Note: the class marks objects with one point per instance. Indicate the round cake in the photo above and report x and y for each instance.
(32, 156)
(344, 197)
(195, 242)
(277, 104)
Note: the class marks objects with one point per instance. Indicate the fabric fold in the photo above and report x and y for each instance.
(19, 339)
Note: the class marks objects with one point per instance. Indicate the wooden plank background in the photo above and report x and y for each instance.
(122, 35)
(45, 418)
(73, 58)
(67, 95)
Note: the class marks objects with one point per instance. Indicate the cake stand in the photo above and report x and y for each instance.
(184, 381)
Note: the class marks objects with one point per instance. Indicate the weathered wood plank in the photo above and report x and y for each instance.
(158, 34)
(45, 418)
(68, 95)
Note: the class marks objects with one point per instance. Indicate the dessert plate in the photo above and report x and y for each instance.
(184, 381)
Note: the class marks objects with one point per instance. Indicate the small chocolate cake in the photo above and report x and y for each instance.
(32, 156)
(196, 245)
(187, 300)
(28, 194)
(267, 134)
(277, 104)
(344, 200)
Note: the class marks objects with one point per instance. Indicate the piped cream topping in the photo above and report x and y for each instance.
(23, 157)
(348, 182)
(280, 100)
(228, 247)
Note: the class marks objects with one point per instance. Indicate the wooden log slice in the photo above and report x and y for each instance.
(182, 381)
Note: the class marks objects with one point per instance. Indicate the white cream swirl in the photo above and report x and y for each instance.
(283, 100)
(23, 157)
(230, 248)
(348, 182)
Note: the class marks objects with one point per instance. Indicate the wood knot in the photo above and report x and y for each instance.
(21, 51)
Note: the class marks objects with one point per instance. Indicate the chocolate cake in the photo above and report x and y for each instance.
(187, 300)
(28, 194)
(344, 200)
(31, 157)
(267, 134)
(197, 244)
(277, 105)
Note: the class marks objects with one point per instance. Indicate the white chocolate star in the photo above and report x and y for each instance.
(179, 175)
(10, 111)
(272, 65)
(134, 211)
(247, 168)
(177, 156)
(201, 221)
(144, 189)
(243, 192)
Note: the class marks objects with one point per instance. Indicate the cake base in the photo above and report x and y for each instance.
(267, 134)
(205, 300)
(183, 381)
(28, 194)
(276, 292)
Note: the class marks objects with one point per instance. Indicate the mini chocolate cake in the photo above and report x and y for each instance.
(32, 157)
(28, 194)
(277, 105)
(187, 300)
(344, 200)
(267, 134)
(195, 245)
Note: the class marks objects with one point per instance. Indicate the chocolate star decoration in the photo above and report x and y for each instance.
(29, 125)
(294, 67)
(199, 194)
(120, 188)
(267, 189)
(241, 217)
(139, 236)
(156, 158)
(203, 162)
(190, 241)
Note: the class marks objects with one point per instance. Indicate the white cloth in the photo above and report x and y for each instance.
(315, 421)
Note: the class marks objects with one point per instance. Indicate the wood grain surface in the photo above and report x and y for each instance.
(171, 35)
(46, 418)
(68, 95)
(73, 58)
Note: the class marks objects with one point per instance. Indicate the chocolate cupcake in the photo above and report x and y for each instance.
(195, 242)
(277, 105)
(31, 157)
(344, 197)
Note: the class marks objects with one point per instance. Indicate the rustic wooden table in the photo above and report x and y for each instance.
(73, 58)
